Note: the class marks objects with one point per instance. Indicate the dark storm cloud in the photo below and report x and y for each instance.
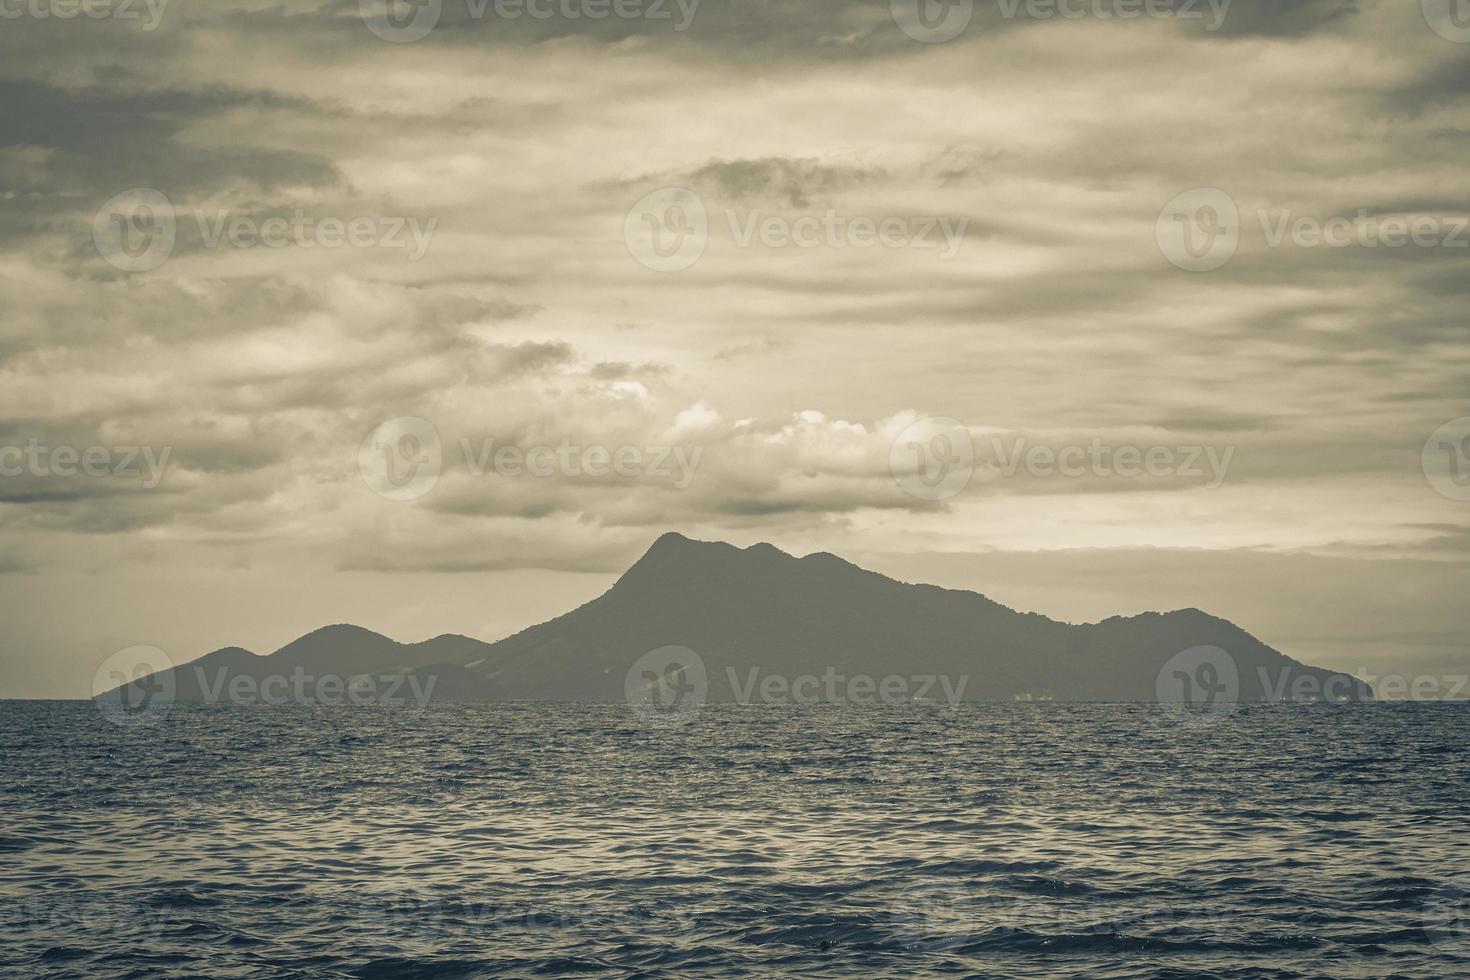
(77, 148)
(621, 371)
(795, 182)
(1444, 80)
(740, 29)
(530, 356)
(112, 138)
(1284, 18)
(160, 309)
(98, 120)
(752, 30)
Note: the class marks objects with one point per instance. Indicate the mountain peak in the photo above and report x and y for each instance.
(673, 541)
(670, 540)
(339, 633)
(757, 609)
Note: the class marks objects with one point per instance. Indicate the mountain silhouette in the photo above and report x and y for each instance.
(756, 613)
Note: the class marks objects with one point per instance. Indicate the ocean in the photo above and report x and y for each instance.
(545, 840)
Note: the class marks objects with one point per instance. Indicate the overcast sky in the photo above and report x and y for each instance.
(815, 273)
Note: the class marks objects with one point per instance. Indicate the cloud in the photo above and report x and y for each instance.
(1271, 18)
(527, 323)
(793, 182)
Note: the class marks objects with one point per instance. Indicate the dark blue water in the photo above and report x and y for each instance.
(564, 840)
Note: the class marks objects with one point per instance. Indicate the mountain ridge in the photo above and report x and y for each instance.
(761, 609)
